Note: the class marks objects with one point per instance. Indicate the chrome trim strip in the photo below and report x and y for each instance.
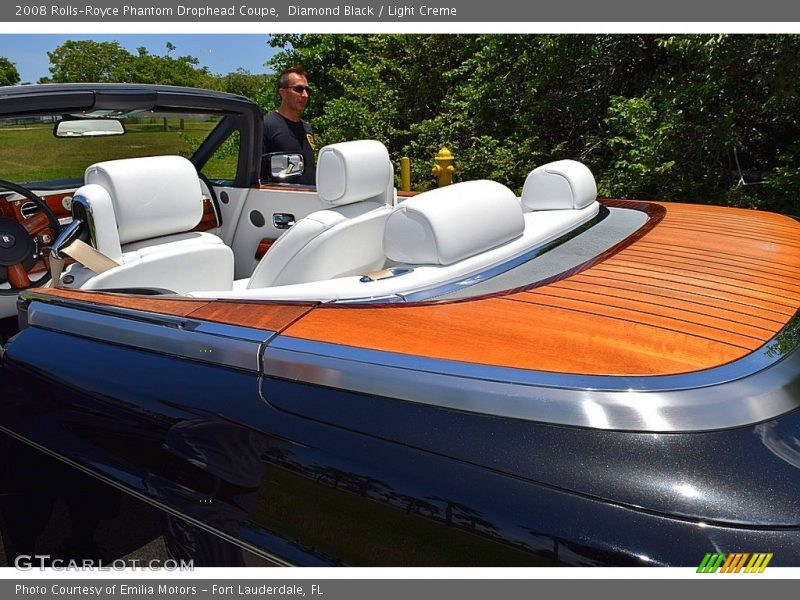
(758, 387)
(211, 343)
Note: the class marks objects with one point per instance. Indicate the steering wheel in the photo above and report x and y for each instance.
(213, 194)
(19, 244)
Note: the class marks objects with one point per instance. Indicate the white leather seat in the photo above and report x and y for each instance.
(456, 235)
(356, 179)
(453, 223)
(142, 212)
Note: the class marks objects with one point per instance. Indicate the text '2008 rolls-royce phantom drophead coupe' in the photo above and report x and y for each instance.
(337, 374)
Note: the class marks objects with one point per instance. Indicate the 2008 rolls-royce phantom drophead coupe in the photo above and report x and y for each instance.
(341, 375)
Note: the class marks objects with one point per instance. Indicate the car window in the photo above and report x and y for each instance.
(222, 165)
(30, 152)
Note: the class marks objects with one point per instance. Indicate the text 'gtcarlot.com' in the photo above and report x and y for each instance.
(26, 562)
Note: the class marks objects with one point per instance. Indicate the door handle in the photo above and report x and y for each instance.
(282, 220)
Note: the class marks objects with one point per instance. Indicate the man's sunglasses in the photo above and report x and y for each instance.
(299, 89)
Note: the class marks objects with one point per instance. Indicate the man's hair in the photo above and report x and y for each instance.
(283, 78)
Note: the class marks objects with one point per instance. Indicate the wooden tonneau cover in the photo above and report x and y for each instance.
(704, 287)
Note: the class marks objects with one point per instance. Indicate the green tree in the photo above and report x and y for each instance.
(89, 61)
(8, 72)
(702, 118)
(100, 62)
(717, 123)
(152, 68)
(243, 82)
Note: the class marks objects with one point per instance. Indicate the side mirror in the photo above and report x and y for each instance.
(284, 167)
(88, 127)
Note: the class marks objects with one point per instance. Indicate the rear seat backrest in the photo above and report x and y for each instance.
(452, 223)
(560, 185)
(356, 179)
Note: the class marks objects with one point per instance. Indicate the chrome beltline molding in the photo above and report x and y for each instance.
(213, 343)
(755, 388)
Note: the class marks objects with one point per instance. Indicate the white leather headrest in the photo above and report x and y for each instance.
(564, 184)
(452, 223)
(354, 171)
(152, 196)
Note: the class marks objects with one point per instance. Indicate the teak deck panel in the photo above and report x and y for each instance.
(179, 307)
(676, 300)
(699, 302)
(272, 317)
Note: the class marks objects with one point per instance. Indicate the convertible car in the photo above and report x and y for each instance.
(341, 375)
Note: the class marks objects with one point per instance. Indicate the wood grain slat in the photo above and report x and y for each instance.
(718, 264)
(271, 316)
(179, 307)
(780, 226)
(599, 277)
(624, 317)
(732, 238)
(754, 231)
(734, 313)
(750, 249)
(707, 271)
(502, 332)
(754, 292)
(644, 308)
(727, 258)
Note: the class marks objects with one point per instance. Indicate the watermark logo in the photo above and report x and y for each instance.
(26, 562)
(736, 562)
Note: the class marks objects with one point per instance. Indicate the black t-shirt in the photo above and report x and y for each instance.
(283, 135)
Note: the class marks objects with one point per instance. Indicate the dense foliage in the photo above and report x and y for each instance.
(701, 118)
(8, 72)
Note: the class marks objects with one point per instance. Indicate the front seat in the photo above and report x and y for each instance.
(139, 213)
(356, 179)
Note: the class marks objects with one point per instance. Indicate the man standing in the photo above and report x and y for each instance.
(284, 130)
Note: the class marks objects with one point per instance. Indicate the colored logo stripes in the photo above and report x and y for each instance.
(735, 562)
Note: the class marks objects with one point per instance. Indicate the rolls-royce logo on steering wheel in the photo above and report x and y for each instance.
(7, 240)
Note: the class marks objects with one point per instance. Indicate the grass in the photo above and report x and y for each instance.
(32, 153)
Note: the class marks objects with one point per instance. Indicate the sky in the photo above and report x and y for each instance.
(220, 53)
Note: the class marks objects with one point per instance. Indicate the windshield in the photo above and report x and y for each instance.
(30, 152)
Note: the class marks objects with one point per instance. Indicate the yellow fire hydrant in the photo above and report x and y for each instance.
(443, 168)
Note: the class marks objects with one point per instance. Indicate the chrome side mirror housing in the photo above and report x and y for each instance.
(284, 167)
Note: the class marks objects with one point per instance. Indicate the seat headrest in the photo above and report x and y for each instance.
(354, 171)
(152, 196)
(452, 223)
(564, 184)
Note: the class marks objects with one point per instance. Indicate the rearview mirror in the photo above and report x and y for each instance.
(88, 127)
